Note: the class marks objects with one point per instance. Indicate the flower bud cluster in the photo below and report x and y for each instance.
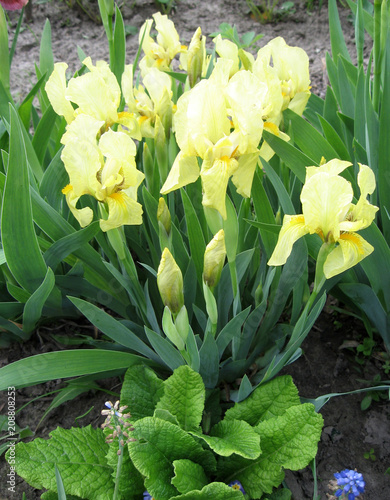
(118, 423)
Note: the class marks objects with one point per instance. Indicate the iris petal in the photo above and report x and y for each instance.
(351, 250)
(293, 228)
(325, 201)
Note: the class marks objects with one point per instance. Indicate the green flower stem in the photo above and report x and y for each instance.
(233, 276)
(116, 495)
(131, 271)
(377, 53)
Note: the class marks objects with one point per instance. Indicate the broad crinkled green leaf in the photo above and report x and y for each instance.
(288, 441)
(80, 456)
(267, 401)
(158, 444)
(213, 491)
(141, 391)
(53, 495)
(189, 476)
(233, 436)
(184, 397)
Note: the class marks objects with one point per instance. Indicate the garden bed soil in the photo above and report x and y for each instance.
(327, 364)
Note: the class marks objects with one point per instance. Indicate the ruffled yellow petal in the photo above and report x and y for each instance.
(352, 248)
(293, 228)
(82, 161)
(273, 103)
(325, 201)
(299, 101)
(266, 152)
(155, 82)
(185, 170)
(366, 180)
(246, 95)
(206, 118)
(117, 145)
(243, 176)
(128, 123)
(83, 127)
(215, 174)
(95, 93)
(132, 190)
(122, 210)
(82, 215)
(363, 213)
(227, 50)
(55, 89)
(332, 167)
(167, 35)
(292, 65)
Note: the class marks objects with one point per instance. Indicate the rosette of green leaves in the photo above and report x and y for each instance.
(182, 447)
(352, 123)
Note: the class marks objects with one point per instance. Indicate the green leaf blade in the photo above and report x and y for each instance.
(20, 243)
(184, 397)
(188, 476)
(233, 436)
(266, 401)
(141, 391)
(78, 453)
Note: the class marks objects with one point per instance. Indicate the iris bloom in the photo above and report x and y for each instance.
(96, 94)
(146, 106)
(13, 4)
(103, 168)
(291, 66)
(329, 212)
(220, 121)
(160, 53)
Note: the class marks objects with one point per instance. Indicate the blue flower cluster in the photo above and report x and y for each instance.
(351, 483)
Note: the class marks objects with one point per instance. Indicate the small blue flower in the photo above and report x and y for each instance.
(236, 485)
(352, 483)
(147, 496)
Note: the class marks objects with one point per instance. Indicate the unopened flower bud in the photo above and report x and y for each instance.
(170, 282)
(214, 259)
(163, 215)
(196, 57)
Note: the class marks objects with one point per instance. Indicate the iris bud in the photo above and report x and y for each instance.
(170, 282)
(214, 259)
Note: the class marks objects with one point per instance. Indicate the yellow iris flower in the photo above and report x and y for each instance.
(329, 212)
(220, 121)
(291, 66)
(104, 169)
(146, 106)
(160, 53)
(96, 93)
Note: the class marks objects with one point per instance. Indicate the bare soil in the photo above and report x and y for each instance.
(327, 366)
